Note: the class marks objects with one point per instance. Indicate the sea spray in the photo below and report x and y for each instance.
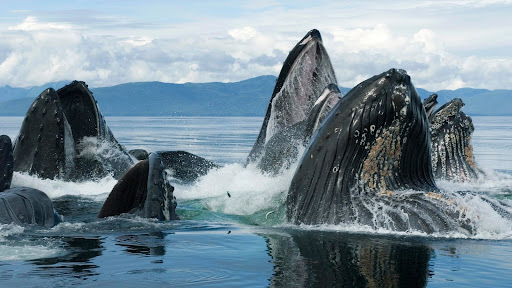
(238, 190)
(493, 183)
(14, 248)
(95, 190)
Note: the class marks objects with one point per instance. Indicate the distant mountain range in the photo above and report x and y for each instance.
(245, 98)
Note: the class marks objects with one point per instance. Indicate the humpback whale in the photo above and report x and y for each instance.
(181, 165)
(21, 205)
(25, 206)
(139, 154)
(305, 73)
(6, 162)
(373, 151)
(61, 135)
(429, 104)
(283, 149)
(144, 191)
(452, 153)
(184, 166)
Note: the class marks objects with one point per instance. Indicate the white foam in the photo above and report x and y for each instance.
(9, 229)
(22, 250)
(249, 190)
(92, 147)
(252, 192)
(363, 229)
(96, 190)
(492, 183)
(27, 252)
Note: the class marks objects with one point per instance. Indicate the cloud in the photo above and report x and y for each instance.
(31, 24)
(243, 34)
(361, 39)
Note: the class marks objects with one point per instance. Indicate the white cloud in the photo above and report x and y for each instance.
(440, 45)
(31, 24)
(243, 34)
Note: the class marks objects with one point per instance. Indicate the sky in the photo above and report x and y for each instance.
(442, 44)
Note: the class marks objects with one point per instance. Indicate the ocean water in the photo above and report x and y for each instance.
(241, 239)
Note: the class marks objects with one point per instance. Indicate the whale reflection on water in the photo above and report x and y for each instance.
(332, 259)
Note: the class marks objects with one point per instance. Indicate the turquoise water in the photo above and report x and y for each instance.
(242, 240)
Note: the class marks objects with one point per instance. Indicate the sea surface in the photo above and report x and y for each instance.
(233, 233)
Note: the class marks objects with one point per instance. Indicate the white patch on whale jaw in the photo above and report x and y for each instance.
(330, 99)
(305, 41)
(69, 148)
(322, 97)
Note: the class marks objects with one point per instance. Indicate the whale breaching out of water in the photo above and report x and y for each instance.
(370, 163)
(144, 189)
(64, 135)
(306, 72)
(374, 143)
(452, 153)
(370, 157)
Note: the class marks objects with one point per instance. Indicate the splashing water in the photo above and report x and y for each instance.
(95, 190)
(113, 158)
(489, 218)
(261, 199)
(237, 190)
(24, 249)
(9, 229)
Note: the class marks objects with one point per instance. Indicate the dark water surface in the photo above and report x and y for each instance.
(242, 240)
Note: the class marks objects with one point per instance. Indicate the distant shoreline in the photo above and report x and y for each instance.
(248, 98)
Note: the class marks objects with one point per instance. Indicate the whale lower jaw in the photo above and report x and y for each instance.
(160, 202)
(305, 73)
(452, 152)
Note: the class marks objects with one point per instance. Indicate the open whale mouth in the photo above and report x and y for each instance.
(80, 110)
(305, 73)
(289, 64)
(54, 129)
